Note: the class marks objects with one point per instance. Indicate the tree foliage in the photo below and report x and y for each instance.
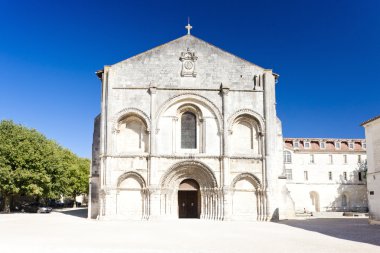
(32, 165)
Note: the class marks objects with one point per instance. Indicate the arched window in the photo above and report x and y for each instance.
(287, 157)
(188, 130)
(344, 200)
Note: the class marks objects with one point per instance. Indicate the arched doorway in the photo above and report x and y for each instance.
(189, 199)
(209, 199)
(314, 197)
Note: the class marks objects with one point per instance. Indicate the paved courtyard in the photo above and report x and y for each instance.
(69, 231)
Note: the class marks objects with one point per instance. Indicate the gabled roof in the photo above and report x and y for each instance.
(191, 37)
(370, 120)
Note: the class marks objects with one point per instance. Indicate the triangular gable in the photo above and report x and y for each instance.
(186, 62)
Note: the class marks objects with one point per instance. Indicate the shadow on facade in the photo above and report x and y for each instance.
(353, 229)
(79, 212)
(352, 191)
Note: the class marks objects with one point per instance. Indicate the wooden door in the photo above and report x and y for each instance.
(188, 204)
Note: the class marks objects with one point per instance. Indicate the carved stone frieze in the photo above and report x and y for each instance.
(188, 60)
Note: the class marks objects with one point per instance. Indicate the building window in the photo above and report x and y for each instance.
(296, 144)
(337, 145)
(287, 157)
(345, 176)
(351, 145)
(359, 158)
(312, 159)
(330, 175)
(345, 159)
(306, 175)
(322, 145)
(188, 131)
(364, 145)
(306, 144)
(331, 161)
(289, 174)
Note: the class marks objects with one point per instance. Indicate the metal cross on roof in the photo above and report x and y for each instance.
(188, 27)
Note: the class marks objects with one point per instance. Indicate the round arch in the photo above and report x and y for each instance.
(249, 177)
(193, 98)
(345, 200)
(251, 114)
(130, 112)
(131, 199)
(188, 170)
(314, 199)
(189, 107)
(134, 175)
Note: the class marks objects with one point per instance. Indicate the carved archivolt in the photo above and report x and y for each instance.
(189, 170)
(191, 96)
(130, 112)
(134, 175)
(189, 108)
(251, 113)
(248, 176)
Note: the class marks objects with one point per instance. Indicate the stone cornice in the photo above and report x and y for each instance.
(185, 156)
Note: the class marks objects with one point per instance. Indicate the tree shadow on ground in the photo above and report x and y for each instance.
(77, 212)
(344, 228)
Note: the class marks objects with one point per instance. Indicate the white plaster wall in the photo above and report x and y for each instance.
(329, 191)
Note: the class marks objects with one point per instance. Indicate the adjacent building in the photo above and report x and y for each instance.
(372, 133)
(326, 174)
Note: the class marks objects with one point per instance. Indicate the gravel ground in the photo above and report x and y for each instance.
(68, 231)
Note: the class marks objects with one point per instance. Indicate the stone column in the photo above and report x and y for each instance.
(225, 182)
(103, 138)
(270, 143)
(203, 204)
(154, 203)
(202, 127)
(174, 134)
(153, 127)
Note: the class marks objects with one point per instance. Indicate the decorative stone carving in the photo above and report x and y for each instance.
(130, 111)
(188, 59)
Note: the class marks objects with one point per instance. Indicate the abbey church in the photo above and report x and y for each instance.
(187, 130)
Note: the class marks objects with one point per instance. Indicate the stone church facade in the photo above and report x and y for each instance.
(187, 130)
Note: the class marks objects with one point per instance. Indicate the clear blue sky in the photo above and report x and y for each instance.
(326, 52)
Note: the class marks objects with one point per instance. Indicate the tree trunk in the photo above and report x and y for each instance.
(75, 201)
(7, 203)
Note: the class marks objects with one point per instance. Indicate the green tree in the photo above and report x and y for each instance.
(32, 165)
(77, 178)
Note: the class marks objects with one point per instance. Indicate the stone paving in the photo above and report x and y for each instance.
(68, 231)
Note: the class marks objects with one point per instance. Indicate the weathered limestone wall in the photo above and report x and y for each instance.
(372, 132)
(93, 210)
(238, 134)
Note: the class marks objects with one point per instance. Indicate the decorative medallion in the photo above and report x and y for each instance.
(188, 59)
